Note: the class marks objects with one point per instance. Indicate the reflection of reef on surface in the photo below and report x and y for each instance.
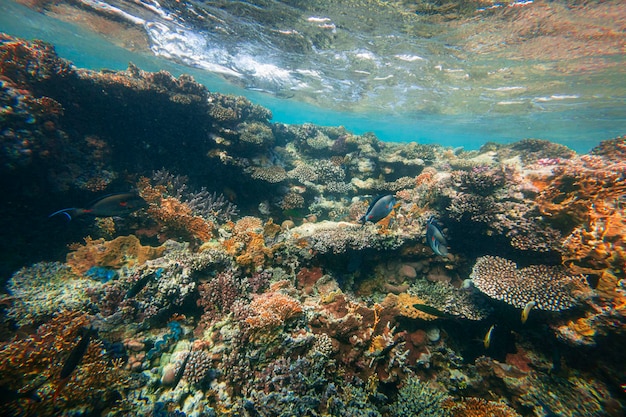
(248, 287)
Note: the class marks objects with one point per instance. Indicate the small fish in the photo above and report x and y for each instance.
(73, 360)
(526, 311)
(435, 238)
(107, 206)
(487, 339)
(181, 371)
(432, 311)
(141, 283)
(379, 208)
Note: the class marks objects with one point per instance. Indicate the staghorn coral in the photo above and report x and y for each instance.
(43, 288)
(210, 206)
(116, 253)
(218, 295)
(550, 287)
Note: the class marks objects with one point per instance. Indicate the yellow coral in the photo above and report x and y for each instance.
(121, 251)
(404, 305)
(479, 407)
(247, 242)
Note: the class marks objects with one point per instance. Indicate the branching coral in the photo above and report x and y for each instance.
(35, 362)
(418, 399)
(454, 301)
(550, 287)
(255, 133)
(176, 217)
(210, 206)
(272, 174)
(218, 295)
(272, 309)
(479, 407)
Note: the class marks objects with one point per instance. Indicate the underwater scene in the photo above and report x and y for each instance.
(313, 208)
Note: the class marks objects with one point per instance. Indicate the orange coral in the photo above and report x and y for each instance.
(40, 357)
(272, 309)
(247, 242)
(176, 217)
(585, 196)
(121, 251)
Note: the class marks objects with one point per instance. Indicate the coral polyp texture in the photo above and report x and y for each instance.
(552, 288)
(247, 286)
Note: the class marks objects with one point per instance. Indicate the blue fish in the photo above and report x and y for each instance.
(379, 208)
(107, 206)
(435, 238)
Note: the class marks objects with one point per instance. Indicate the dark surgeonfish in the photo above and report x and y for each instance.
(108, 206)
(435, 238)
(73, 360)
(379, 208)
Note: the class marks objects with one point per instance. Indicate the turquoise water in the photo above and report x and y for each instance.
(577, 124)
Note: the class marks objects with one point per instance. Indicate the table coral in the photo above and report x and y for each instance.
(43, 288)
(550, 287)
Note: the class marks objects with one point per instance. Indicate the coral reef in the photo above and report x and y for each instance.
(294, 308)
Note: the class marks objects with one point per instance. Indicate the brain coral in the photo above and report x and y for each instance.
(551, 287)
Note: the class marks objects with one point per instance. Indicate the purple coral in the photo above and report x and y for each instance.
(218, 295)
